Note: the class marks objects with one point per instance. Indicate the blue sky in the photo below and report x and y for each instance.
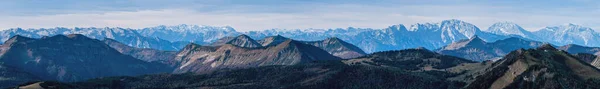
(245, 15)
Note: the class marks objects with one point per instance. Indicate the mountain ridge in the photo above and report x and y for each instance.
(80, 58)
(394, 37)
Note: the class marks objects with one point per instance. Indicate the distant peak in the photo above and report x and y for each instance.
(75, 35)
(398, 27)
(547, 47)
(188, 27)
(277, 37)
(243, 36)
(568, 27)
(334, 38)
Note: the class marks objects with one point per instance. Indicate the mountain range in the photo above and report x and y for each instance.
(541, 67)
(199, 59)
(71, 58)
(478, 50)
(190, 56)
(395, 37)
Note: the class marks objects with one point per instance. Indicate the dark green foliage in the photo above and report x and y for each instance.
(414, 59)
(324, 75)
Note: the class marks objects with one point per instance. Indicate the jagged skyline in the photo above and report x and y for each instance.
(293, 14)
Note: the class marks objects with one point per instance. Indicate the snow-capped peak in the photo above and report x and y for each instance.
(424, 27)
(196, 28)
(569, 27)
(508, 28)
(465, 29)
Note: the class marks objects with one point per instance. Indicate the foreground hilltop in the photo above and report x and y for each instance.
(386, 72)
(71, 58)
(542, 67)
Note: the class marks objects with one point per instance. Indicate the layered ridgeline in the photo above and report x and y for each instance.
(69, 58)
(569, 34)
(573, 48)
(379, 70)
(540, 68)
(76, 57)
(131, 37)
(333, 45)
(418, 59)
(477, 49)
(428, 35)
(241, 41)
(557, 35)
(201, 59)
(145, 54)
(543, 67)
(189, 33)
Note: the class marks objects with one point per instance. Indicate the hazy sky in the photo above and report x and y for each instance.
(245, 15)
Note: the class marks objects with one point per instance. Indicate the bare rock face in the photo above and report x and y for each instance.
(71, 58)
(201, 59)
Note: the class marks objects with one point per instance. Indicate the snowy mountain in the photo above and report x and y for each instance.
(124, 35)
(508, 28)
(428, 35)
(395, 37)
(569, 34)
(191, 33)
